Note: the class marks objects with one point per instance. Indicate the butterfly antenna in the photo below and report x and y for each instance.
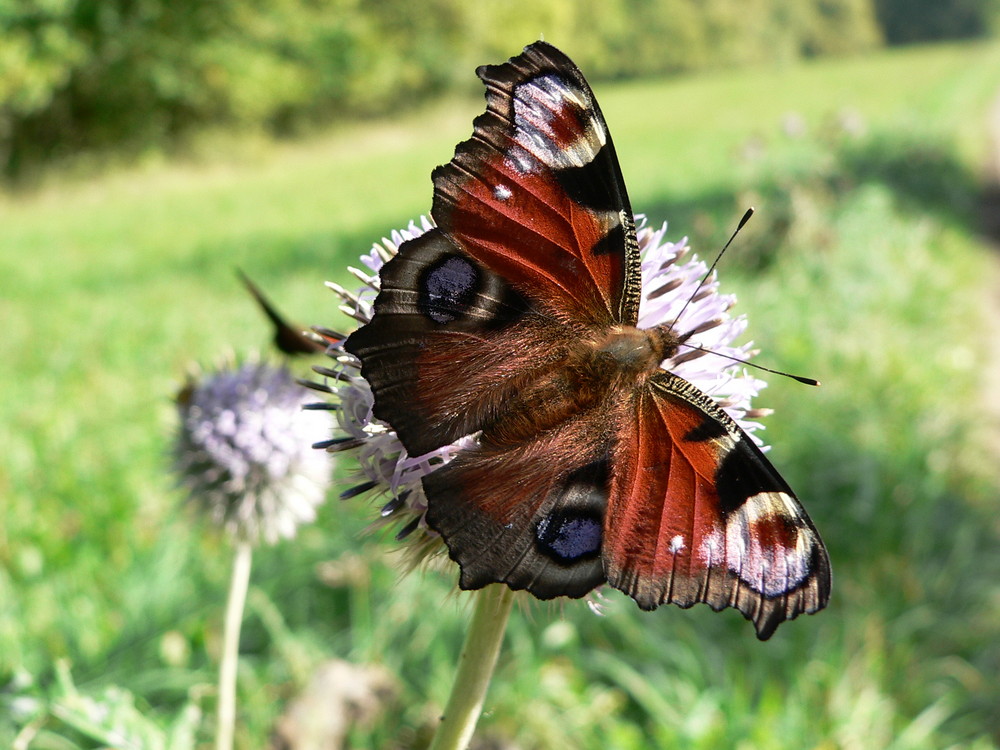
(708, 274)
(800, 378)
(711, 268)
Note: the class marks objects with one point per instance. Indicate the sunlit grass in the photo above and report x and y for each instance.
(110, 287)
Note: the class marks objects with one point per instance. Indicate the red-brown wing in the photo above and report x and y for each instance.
(537, 195)
(654, 489)
(698, 514)
(535, 246)
(449, 343)
(529, 514)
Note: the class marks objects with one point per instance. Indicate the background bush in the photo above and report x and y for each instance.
(85, 75)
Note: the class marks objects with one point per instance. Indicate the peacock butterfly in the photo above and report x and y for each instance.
(515, 318)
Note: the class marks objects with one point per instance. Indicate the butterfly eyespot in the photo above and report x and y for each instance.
(543, 106)
(447, 288)
(568, 536)
(775, 548)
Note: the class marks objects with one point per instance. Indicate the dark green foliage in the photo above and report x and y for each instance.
(128, 75)
(908, 21)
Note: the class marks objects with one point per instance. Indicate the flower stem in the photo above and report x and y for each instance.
(475, 668)
(231, 645)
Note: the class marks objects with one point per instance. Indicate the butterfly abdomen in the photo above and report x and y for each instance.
(596, 371)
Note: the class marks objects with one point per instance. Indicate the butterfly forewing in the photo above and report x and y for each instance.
(698, 514)
(534, 246)
(537, 194)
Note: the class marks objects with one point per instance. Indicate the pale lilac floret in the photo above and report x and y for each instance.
(383, 462)
(669, 265)
(242, 451)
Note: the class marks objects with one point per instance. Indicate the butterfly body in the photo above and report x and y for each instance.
(624, 353)
(517, 318)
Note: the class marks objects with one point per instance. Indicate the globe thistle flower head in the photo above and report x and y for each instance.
(243, 451)
(673, 292)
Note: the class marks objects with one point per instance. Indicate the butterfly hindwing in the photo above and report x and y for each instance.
(529, 514)
(449, 340)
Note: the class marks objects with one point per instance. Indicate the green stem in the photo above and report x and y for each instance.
(475, 668)
(231, 645)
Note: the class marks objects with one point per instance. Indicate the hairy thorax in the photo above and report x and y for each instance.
(594, 368)
(622, 353)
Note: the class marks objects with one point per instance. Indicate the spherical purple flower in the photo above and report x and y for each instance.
(243, 451)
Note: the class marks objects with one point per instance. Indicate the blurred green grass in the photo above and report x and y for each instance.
(867, 272)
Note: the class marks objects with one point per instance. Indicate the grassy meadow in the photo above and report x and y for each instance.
(863, 268)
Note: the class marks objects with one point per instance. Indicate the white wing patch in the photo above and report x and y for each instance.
(767, 563)
(540, 105)
(711, 548)
(764, 544)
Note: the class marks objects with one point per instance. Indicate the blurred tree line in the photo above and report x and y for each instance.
(82, 75)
